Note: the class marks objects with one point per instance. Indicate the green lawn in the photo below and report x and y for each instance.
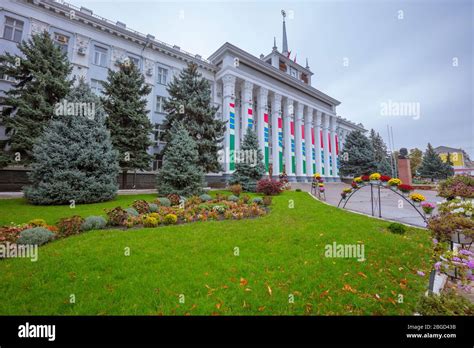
(280, 254)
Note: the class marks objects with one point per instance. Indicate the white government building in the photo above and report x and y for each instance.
(297, 125)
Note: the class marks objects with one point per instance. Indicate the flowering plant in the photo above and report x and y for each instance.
(321, 189)
(428, 207)
(374, 176)
(385, 178)
(343, 195)
(317, 176)
(354, 185)
(417, 197)
(394, 182)
(321, 184)
(458, 185)
(458, 263)
(358, 179)
(458, 207)
(405, 188)
(347, 190)
(365, 178)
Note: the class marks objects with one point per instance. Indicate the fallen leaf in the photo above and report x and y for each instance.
(362, 274)
(347, 287)
(324, 293)
(261, 309)
(243, 281)
(377, 296)
(248, 289)
(391, 300)
(218, 305)
(269, 290)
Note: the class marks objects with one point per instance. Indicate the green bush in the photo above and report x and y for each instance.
(132, 212)
(257, 200)
(153, 207)
(35, 236)
(170, 219)
(233, 198)
(298, 190)
(93, 223)
(397, 228)
(205, 197)
(165, 202)
(447, 303)
(70, 226)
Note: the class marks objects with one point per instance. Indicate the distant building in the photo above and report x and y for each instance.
(458, 157)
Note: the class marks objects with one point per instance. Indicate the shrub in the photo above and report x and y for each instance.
(257, 200)
(10, 233)
(69, 226)
(219, 208)
(93, 223)
(141, 206)
(245, 198)
(35, 236)
(442, 227)
(397, 228)
(37, 223)
(269, 187)
(457, 186)
(394, 182)
(446, 303)
(150, 221)
(132, 212)
(165, 202)
(170, 219)
(174, 198)
(298, 190)
(233, 198)
(153, 207)
(205, 197)
(116, 216)
(236, 189)
(193, 200)
(267, 201)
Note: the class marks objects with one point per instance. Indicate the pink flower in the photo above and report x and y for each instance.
(437, 265)
(421, 273)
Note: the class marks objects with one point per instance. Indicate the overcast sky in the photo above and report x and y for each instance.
(363, 53)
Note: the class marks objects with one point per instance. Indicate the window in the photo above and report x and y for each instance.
(100, 56)
(13, 29)
(162, 76)
(96, 87)
(8, 78)
(160, 104)
(134, 60)
(61, 41)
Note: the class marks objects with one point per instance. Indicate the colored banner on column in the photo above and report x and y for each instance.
(265, 140)
(337, 152)
(280, 143)
(322, 152)
(232, 135)
(293, 161)
(303, 149)
(313, 151)
(250, 118)
(330, 153)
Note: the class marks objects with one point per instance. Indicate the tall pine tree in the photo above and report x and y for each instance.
(181, 172)
(249, 166)
(360, 156)
(380, 153)
(125, 103)
(73, 160)
(432, 166)
(41, 80)
(189, 102)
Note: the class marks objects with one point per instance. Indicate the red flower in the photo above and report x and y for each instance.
(405, 188)
(354, 184)
(365, 178)
(385, 178)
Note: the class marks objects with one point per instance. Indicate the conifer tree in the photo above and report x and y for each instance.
(360, 156)
(432, 166)
(40, 73)
(189, 102)
(249, 166)
(181, 173)
(130, 128)
(380, 153)
(73, 160)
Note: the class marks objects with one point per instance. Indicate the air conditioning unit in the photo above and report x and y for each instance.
(81, 51)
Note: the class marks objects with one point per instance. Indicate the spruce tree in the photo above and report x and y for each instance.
(249, 166)
(448, 169)
(73, 160)
(41, 73)
(360, 156)
(380, 153)
(125, 103)
(432, 166)
(181, 173)
(189, 102)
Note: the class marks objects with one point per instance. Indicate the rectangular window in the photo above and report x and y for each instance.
(61, 41)
(160, 104)
(100, 56)
(13, 29)
(96, 87)
(162, 76)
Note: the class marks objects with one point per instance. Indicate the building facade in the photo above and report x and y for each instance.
(297, 125)
(458, 157)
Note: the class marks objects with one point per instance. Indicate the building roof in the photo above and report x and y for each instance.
(445, 149)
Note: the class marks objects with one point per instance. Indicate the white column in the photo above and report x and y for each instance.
(288, 112)
(308, 122)
(247, 107)
(263, 125)
(276, 130)
(327, 168)
(333, 146)
(298, 136)
(317, 141)
(228, 109)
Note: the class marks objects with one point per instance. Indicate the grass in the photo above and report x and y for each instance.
(281, 256)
